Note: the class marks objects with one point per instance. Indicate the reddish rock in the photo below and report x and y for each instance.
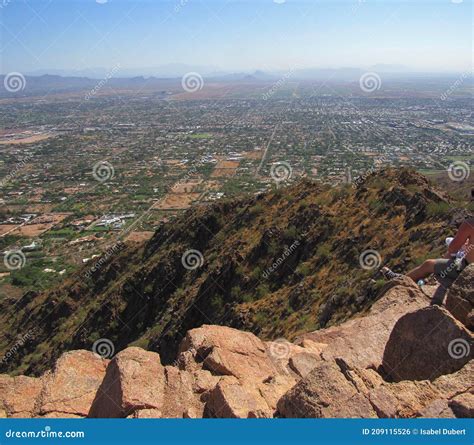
(426, 344)
(71, 386)
(230, 399)
(227, 351)
(134, 381)
(403, 399)
(303, 363)
(18, 395)
(361, 341)
(327, 391)
(183, 390)
(463, 405)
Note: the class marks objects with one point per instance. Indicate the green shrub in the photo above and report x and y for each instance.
(436, 209)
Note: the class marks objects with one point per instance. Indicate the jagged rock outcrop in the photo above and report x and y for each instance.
(338, 389)
(66, 391)
(362, 341)
(401, 359)
(134, 381)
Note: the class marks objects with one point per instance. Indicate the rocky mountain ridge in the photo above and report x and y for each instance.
(278, 265)
(404, 358)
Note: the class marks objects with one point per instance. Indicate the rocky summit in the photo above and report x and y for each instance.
(403, 358)
(280, 264)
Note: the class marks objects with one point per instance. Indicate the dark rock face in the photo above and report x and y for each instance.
(426, 344)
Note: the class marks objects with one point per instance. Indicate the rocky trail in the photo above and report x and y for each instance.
(404, 358)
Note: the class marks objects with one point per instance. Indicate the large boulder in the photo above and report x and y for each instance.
(332, 389)
(426, 344)
(460, 298)
(227, 351)
(361, 341)
(71, 386)
(134, 381)
(18, 395)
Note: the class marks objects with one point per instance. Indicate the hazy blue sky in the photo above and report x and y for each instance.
(235, 35)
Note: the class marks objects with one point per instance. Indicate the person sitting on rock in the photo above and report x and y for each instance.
(459, 255)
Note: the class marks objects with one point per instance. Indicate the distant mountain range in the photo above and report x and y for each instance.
(178, 70)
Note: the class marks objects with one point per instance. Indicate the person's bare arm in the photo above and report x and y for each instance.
(460, 239)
